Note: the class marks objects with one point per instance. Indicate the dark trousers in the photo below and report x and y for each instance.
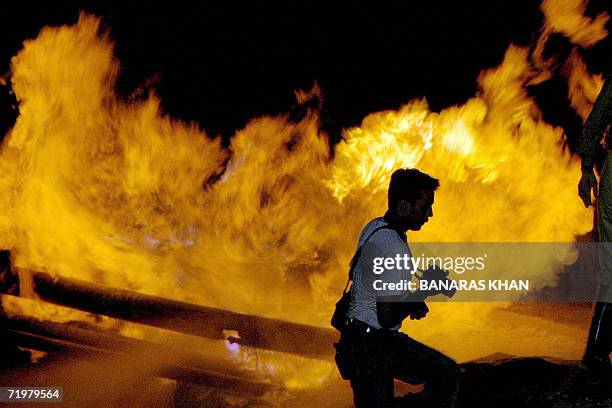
(599, 344)
(380, 357)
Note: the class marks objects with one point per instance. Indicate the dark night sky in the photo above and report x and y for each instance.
(220, 65)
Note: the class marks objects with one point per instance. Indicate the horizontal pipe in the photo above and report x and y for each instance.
(253, 331)
(83, 343)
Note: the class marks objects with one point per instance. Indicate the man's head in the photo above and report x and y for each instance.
(411, 197)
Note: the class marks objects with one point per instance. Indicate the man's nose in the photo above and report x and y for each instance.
(430, 212)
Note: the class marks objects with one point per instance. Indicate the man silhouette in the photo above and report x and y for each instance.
(599, 346)
(379, 351)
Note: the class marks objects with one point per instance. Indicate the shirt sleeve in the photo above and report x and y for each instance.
(599, 118)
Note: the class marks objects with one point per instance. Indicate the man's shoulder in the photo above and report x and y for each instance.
(379, 230)
(371, 226)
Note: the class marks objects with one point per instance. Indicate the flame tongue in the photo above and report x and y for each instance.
(501, 166)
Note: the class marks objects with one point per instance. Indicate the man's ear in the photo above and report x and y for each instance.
(404, 208)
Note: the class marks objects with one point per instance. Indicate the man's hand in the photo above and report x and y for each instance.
(391, 313)
(419, 311)
(587, 182)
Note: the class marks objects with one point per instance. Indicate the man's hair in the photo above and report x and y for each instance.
(407, 184)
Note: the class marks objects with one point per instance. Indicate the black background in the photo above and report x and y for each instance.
(221, 63)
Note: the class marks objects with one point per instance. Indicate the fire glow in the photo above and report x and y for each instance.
(116, 192)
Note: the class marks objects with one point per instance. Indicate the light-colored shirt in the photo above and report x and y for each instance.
(384, 243)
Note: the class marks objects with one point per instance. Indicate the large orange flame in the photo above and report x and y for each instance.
(99, 189)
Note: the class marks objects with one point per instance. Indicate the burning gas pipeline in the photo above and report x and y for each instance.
(115, 192)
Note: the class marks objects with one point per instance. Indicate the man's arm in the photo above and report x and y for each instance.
(599, 118)
(393, 306)
(390, 312)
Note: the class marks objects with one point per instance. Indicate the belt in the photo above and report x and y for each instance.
(358, 326)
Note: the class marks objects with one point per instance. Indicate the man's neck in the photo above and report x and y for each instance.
(393, 222)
